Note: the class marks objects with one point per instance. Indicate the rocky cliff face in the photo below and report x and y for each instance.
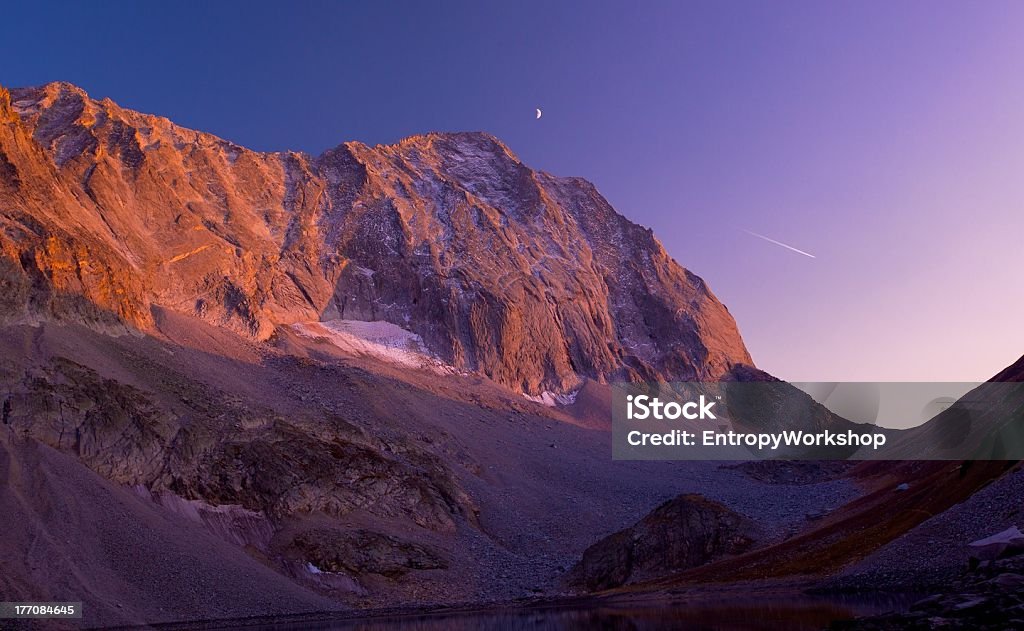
(531, 279)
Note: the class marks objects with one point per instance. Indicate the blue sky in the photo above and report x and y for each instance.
(885, 138)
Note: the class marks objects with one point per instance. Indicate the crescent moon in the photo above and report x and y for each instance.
(539, 113)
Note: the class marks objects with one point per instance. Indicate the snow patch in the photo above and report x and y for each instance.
(1009, 541)
(377, 339)
(1010, 535)
(312, 569)
(551, 399)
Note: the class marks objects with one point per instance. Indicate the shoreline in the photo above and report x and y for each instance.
(793, 595)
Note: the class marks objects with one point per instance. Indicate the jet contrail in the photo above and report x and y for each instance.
(788, 247)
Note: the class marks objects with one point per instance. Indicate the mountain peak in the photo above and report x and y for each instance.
(466, 144)
(464, 141)
(63, 87)
(531, 280)
(48, 93)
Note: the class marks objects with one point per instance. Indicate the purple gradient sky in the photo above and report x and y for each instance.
(885, 138)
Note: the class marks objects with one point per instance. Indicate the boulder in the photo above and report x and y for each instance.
(682, 533)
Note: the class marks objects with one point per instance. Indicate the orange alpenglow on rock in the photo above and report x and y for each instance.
(531, 279)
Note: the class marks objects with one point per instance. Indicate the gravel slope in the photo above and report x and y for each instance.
(936, 550)
(70, 535)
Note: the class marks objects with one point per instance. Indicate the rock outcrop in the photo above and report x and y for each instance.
(681, 533)
(531, 279)
(361, 552)
(226, 452)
